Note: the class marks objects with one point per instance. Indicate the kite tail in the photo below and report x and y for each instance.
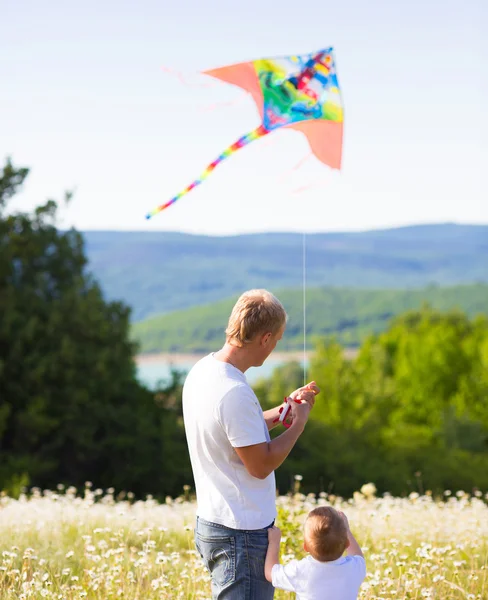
(240, 143)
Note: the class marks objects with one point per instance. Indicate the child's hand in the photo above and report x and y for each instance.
(353, 548)
(274, 535)
(344, 518)
(272, 553)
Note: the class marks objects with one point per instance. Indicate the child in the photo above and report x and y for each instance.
(325, 574)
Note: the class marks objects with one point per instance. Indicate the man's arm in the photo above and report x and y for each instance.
(270, 415)
(262, 459)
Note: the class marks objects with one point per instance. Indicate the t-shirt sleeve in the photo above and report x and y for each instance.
(285, 577)
(359, 567)
(241, 417)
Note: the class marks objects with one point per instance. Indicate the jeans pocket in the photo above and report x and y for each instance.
(219, 556)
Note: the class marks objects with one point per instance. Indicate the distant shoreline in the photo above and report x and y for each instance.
(181, 358)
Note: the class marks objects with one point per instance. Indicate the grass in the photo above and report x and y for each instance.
(65, 546)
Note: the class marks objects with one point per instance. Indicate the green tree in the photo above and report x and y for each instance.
(71, 407)
(409, 412)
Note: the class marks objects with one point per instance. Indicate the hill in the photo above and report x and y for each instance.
(348, 314)
(159, 272)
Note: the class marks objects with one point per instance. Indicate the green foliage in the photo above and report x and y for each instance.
(71, 408)
(10, 182)
(290, 519)
(410, 412)
(348, 315)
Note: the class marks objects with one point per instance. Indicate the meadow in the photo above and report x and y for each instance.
(69, 545)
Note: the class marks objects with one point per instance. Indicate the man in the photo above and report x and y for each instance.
(232, 455)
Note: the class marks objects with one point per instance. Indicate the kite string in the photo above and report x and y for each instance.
(286, 174)
(310, 186)
(304, 271)
(185, 79)
(219, 105)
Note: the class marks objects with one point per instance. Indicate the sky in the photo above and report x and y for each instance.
(88, 104)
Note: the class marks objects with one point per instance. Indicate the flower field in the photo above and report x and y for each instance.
(67, 545)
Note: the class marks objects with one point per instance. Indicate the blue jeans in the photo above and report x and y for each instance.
(235, 559)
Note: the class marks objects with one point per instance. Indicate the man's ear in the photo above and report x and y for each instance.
(265, 338)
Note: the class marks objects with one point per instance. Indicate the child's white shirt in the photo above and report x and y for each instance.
(313, 580)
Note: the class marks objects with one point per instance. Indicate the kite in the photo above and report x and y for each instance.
(294, 92)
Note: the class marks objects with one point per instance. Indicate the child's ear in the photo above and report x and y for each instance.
(305, 546)
(348, 543)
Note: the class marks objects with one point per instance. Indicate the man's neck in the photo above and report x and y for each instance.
(237, 357)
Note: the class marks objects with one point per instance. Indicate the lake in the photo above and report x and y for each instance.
(154, 368)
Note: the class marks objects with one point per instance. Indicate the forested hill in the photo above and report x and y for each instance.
(158, 272)
(348, 315)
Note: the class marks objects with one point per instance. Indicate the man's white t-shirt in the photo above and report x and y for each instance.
(221, 412)
(311, 579)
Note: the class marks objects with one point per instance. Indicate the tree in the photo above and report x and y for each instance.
(408, 412)
(71, 407)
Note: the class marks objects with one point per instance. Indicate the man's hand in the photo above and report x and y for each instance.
(306, 392)
(300, 411)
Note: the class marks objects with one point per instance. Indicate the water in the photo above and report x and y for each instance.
(150, 373)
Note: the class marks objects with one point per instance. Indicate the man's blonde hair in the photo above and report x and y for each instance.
(255, 312)
(325, 534)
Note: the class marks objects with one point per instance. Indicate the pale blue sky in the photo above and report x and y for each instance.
(85, 104)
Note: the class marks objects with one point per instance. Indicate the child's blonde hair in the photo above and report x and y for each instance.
(255, 312)
(325, 534)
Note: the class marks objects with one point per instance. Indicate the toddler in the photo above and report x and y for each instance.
(325, 574)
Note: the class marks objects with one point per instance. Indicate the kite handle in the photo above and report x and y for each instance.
(284, 410)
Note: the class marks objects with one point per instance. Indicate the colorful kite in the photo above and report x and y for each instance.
(297, 92)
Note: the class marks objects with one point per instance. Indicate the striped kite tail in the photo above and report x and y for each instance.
(240, 143)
